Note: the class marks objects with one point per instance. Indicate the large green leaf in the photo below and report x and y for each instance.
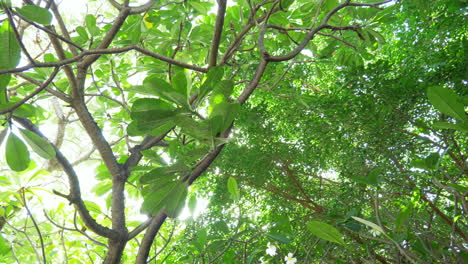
(402, 217)
(325, 231)
(164, 90)
(17, 154)
(461, 126)
(155, 201)
(222, 116)
(179, 82)
(158, 174)
(278, 237)
(447, 101)
(39, 144)
(176, 200)
(151, 116)
(151, 109)
(213, 77)
(10, 54)
(233, 189)
(90, 21)
(5, 247)
(198, 130)
(36, 13)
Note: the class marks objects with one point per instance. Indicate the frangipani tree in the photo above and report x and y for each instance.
(152, 92)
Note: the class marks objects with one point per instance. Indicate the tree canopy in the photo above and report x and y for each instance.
(241, 131)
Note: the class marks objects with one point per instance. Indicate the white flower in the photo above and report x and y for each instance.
(289, 259)
(271, 250)
(375, 232)
(262, 261)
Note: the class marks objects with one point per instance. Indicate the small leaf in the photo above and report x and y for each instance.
(369, 224)
(82, 32)
(90, 21)
(325, 231)
(38, 144)
(233, 188)
(447, 101)
(35, 13)
(17, 154)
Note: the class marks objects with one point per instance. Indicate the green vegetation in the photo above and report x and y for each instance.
(284, 131)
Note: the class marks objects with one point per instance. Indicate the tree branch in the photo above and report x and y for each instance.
(31, 95)
(217, 32)
(153, 228)
(75, 194)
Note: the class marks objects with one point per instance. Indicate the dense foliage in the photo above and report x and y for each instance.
(284, 131)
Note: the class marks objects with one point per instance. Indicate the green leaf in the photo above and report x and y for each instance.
(151, 109)
(233, 188)
(213, 76)
(193, 128)
(286, 3)
(223, 115)
(154, 201)
(158, 174)
(402, 217)
(278, 237)
(82, 32)
(164, 90)
(10, 54)
(39, 144)
(432, 160)
(4, 81)
(380, 39)
(24, 110)
(462, 127)
(176, 200)
(17, 154)
(102, 187)
(35, 13)
(325, 231)
(180, 83)
(447, 101)
(90, 21)
(93, 207)
(369, 224)
(151, 116)
(5, 247)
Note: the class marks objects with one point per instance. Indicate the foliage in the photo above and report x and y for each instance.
(327, 131)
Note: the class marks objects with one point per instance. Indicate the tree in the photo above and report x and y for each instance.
(301, 121)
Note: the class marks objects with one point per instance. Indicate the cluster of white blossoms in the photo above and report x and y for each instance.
(271, 250)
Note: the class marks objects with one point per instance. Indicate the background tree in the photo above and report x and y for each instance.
(331, 117)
